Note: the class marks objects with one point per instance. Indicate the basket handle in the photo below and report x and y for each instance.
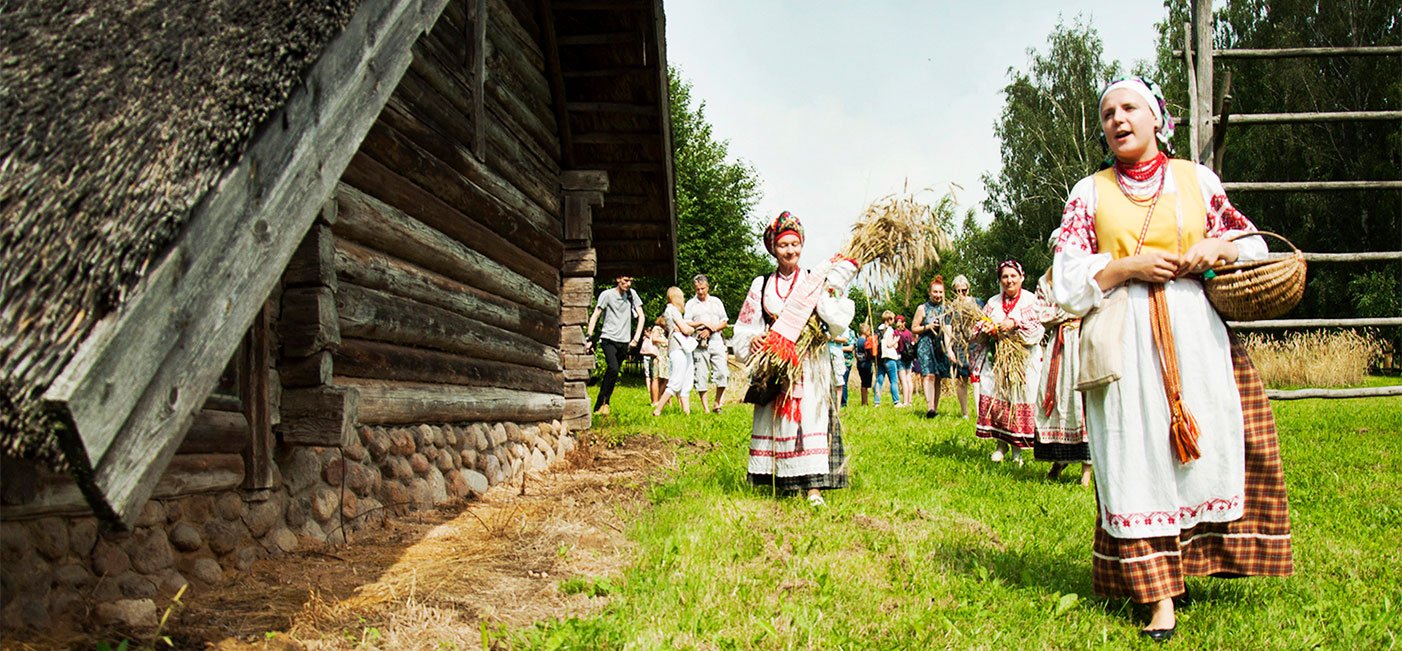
(1279, 237)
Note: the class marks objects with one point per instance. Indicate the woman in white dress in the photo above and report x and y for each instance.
(1005, 409)
(680, 344)
(1187, 466)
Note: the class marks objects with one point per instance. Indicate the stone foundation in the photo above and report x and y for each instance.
(62, 571)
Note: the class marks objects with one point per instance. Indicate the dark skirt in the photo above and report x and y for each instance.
(1061, 452)
(932, 359)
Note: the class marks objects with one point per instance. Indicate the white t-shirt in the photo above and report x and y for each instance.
(708, 310)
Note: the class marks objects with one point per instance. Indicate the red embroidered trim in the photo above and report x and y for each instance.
(808, 452)
(1186, 513)
(1017, 419)
(1077, 228)
(781, 347)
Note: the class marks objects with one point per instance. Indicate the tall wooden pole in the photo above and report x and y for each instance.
(1202, 116)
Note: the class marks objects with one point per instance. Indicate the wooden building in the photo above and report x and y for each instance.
(245, 239)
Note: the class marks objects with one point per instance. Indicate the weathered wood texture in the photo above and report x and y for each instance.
(136, 383)
(257, 382)
(216, 432)
(381, 226)
(383, 402)
(308, 323)
(371, 359)
(312, 263)
(186, 474)
(380, 316)
(1365, 392)
(324, 416)
(313, 371)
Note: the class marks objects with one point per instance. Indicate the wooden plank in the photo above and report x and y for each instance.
(1310, 186)
(1365, 256)
(1202, 46)
(658, 50)
(311, 264)
(506, 22)
(585, 180)
(477, 21)
(579, 261)
(360, 358)
(375, 270)
(1315, 323)
(604, 38)
(1299, 52)
(384, 403)
(476, 216)
(187, 474)
(616, 71)
(611, 107)
(305, 372)
(377, 224)
(534, 172)
(554, 73)
(256, 384)
(308, 323)
(507, 61)
(136, 382)
(323, 417)
(378, 316)
(1367, 392)
(1319, 116)
(215, 431)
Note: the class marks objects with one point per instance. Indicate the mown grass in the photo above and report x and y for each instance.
(933, 546)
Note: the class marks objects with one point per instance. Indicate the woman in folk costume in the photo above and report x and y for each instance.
(1188, 473)
(1006, 405)
(1061, 421)
(796, 438)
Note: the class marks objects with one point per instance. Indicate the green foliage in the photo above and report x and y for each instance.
(717, 231)
(933, 546)
(1050, 138)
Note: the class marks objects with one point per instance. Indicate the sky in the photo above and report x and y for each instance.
(836, 104)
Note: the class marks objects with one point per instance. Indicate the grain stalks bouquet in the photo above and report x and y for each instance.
(1009, 362)
(895, 239)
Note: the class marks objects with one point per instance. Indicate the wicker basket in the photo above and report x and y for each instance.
(1264, 289)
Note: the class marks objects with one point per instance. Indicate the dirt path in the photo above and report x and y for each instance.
(433, 579)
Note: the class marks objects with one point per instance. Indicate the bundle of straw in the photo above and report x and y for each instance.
(894, 241)
(1009, 355)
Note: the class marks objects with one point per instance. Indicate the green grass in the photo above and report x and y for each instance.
(933, 546)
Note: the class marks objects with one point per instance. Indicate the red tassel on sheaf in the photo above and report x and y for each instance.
(781, 347)
(788, 408)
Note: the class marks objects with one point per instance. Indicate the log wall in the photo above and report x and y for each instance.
(448, 242)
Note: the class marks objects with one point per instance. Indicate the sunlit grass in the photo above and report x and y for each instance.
(933, 546)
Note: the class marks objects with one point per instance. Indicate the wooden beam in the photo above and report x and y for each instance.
(615, 71)
(584, 180)
(413, 402)
(553, 72)
(323, 417)
(137, 381)
(255, 367)
(223, 432)
(611, 107)
(1322, 116)
(606, 38)
(1307, 186)
(615, 138)
(308, 321)
(1202, 46)
(477, 21)
(1191, 68)
(360, 358)
(1364, 256)
(1299, 52)
(1315, 323)
(658, 49)
(1366, 392)
(306, 372)
(595, 5)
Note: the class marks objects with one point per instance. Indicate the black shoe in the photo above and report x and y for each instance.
(930, 414)
(1158, 634)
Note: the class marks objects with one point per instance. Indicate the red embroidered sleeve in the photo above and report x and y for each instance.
(1077, 228)
(1222, 216)
(750, 308)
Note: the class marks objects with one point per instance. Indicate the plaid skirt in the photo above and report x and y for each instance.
(1151, 569)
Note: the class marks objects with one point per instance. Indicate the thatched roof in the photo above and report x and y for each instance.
(117, 118)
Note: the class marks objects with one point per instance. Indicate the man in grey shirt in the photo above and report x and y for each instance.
(623, 314)
(706, 313)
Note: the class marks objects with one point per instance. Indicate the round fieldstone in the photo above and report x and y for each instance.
(263, 517)
(223, 537)
(421, 492)
(198, 508)
(557, 426)
(231, 506)
(451, 435)
(82, 535)
(373, 510)
(74, 576)
(403, 442)
(185, 537)
(24, 576)
(437, 485)
(457, 486)
(283, 540)
(361, 479)
(171, 582)
(30, 612)
(349, 503)
(15, 540)
(423, 436)
(476, 481)
(300, 469)
(513, 432)
(324, 504)
(245, 558)
(479, 436)
(468, 458)
(128, 614)
(419, 463)
(50, 537)
(333, 473)
(109, 559)
(150, 551)
(493, 469)
(63, 604)
(136, 586)
(378, 442)
(152, 514)
(538, 461)
(445, 460)
(498, 434)
(396, 496)
(437, 436)
(207, 571)
(297, 509)
(175, 511)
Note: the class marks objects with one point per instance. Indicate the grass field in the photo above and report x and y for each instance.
(933, 546)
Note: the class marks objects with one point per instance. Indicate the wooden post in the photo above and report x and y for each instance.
(253, 376)
(582, 191)
(1192, 90)
(1202, 116)
(1224, 111)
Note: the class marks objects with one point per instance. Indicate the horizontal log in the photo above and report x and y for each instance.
(311, 264)
(375, 223)
(580, 262)
(616, 71)
(576, 407)
(574, 316)
(527, 45)
(402, 179)
(367, 267)
(1299, 52)
(416, 97)
(577, 292)
(303, 372)
(308, 321)
(1308, 186)
(492, 223)
(186, 474)
(1315, 323)
(606, 38)
(322, 417)
(379, 316)
(585, 180)
(611, 107)
(403, 402)
(214, 431)
(1363, 256)
(576, 390)
(515, 156)
(359, 358)
(1299, 118)
(1367, 392)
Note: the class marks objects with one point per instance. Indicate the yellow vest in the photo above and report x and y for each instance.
(1118, 220)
